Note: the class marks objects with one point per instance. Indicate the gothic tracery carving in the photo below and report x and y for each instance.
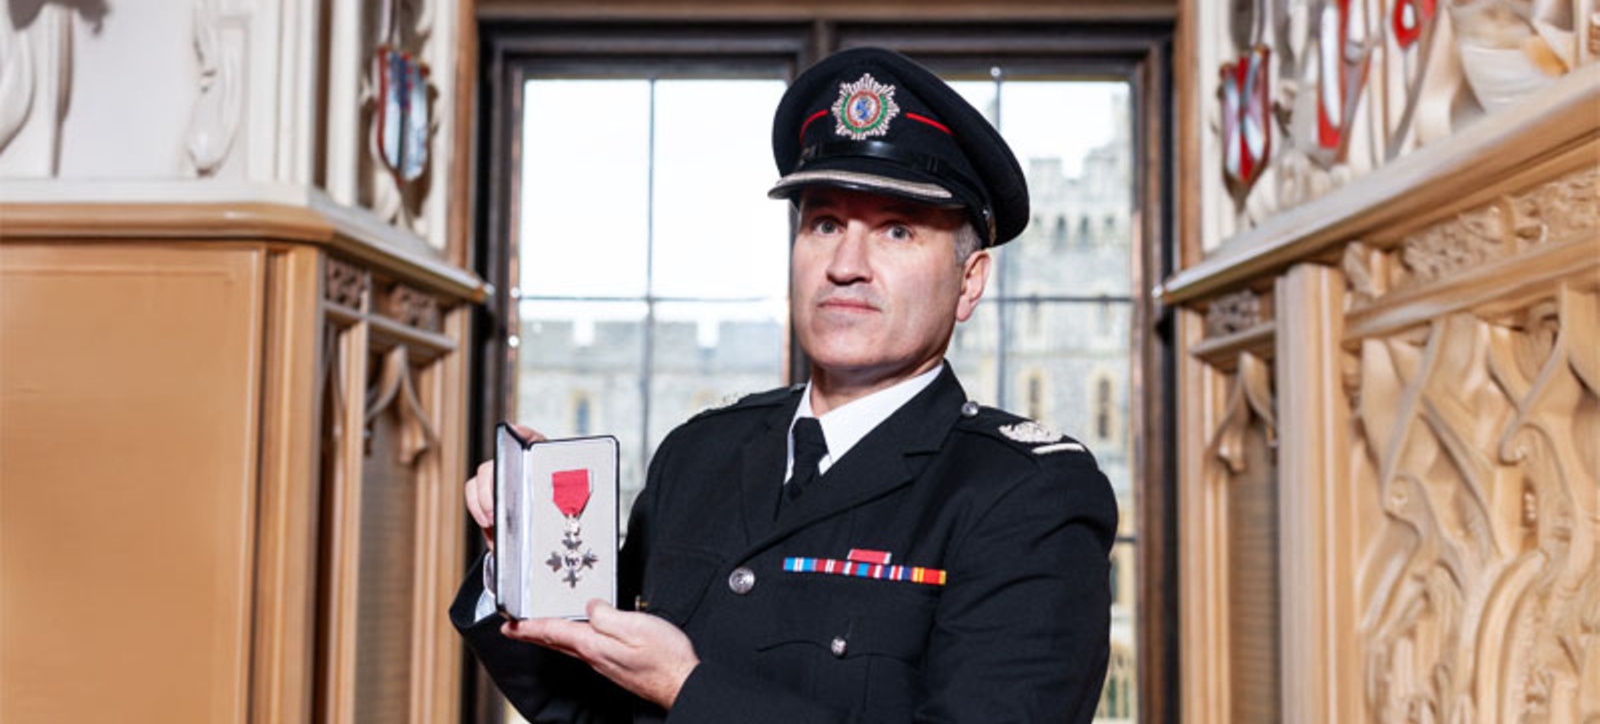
(1250, 406)
(1471, 239)
(412, 307)
(394, 392)
(1480, 592)
(1233, 312)
(346, 284)
(1565, 210)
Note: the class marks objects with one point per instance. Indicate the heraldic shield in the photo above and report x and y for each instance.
(400, 124)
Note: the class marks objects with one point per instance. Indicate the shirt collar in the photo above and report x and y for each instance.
(845, 425)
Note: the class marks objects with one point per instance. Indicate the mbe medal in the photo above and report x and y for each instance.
(578, 534)
(570, 492)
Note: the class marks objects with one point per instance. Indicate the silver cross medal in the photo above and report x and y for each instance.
(570, 492)
(570, 560)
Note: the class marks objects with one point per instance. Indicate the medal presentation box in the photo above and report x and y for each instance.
(555, 533)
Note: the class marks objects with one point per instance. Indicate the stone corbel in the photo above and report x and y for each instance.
(218, 47)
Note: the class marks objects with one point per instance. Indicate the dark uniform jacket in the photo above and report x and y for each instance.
(1020, 521)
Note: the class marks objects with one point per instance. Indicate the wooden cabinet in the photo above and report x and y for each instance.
(230, 457)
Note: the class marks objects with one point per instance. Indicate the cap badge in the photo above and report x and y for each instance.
(864, 108)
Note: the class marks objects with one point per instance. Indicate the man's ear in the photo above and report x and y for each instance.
(974, 277)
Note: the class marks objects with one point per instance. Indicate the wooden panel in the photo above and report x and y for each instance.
(1252, 592)
(443, 389)
(1317, 501)
(286, 560)
(128, 408)
(342, 458)
(382, 613)
(385, 626)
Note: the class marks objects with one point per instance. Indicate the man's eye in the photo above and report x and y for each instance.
(899, 233)
(825, 226)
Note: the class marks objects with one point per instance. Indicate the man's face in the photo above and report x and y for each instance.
(877, 287)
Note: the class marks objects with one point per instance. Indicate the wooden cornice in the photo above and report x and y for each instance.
(1414, 190)
(350, 233)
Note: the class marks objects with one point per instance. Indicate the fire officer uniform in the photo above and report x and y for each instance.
(951, 566)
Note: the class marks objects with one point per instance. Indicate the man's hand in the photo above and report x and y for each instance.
(479, 490)
(641, 653)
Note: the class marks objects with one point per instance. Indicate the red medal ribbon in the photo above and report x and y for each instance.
(570, 491)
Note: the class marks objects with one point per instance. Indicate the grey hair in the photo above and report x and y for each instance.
(968, 242)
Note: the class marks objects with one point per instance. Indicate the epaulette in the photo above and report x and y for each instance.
(767, 398)
(1022, 433)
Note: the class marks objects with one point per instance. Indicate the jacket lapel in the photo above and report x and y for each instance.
(760, 466)
(881, 462)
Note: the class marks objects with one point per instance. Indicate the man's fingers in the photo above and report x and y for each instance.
(480, 495)
(608, 621)
(559, 634)
(529, 433)
(479, 490)
(642, 653)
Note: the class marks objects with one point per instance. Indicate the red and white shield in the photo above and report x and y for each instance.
(1246, 126)
(1341, 76)
(1410, 17)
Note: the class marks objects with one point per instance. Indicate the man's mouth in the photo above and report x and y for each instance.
(845, 304)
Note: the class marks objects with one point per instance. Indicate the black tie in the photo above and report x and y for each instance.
(809, 447)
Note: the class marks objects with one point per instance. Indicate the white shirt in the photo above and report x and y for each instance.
(845, 425)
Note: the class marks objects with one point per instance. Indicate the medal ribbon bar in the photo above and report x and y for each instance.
(914, 574)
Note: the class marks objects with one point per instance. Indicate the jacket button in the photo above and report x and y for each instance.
(839, 646)
(741, 580)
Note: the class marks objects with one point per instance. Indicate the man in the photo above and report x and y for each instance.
(921, 557)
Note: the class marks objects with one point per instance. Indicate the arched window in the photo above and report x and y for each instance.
(1117, 701)
(1105, 412)
(620, 315)
(1036, 395)
(582, 414)
(1116, 578)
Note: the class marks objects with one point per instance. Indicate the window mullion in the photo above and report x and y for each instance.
(1003, 316)
(646, 369)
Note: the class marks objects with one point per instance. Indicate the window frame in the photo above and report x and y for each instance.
(1137, 50)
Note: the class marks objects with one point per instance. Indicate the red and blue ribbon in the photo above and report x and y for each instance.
(914, 574)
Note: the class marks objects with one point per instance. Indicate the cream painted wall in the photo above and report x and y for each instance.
(133, 100)
(134, 83)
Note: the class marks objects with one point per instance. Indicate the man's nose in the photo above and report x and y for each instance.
(849, 263)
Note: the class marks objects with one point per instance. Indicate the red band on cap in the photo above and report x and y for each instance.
(931, 122)
(807, 124)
